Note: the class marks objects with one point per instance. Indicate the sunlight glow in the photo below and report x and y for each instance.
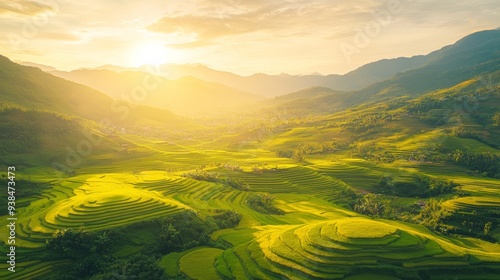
(150, 53)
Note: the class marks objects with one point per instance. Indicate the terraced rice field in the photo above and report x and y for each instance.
(335, 248)
(314, 239)
(94, 203)
(30, 270)
(352, 173)
(477, 204)
(199, 264)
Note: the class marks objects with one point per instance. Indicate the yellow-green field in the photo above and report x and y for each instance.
(318, 236)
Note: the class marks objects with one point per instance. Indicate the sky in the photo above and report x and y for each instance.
(240, 36)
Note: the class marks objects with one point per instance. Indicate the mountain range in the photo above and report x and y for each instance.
(195, 90)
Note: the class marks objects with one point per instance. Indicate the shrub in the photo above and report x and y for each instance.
(482, 162)
(226, 218)
(433, 213)
(237, 184)
(420, 186)
(263, 203)
(202, 175)
(183, 231)
(370, 204)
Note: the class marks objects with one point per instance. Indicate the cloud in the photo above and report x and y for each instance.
(59, 36)
(277, 18)
(26, 8)
(262, 35)
(215, 20)
(204, 28)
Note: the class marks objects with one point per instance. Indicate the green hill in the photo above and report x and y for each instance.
(470, 57)
(31, 88)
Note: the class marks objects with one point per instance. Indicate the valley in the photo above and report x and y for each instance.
(395, 180)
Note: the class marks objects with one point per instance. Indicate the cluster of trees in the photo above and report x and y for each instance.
(363, 122)
(212, 176)
(486, 163)
(226, 166)
(92, 252)
(225, 218)
(302, 150)
(296, 154)
(100, 264)
(186, 230)
(22, 129)
(372, 205)
(237, 184)
(424, 106)
(480, 136)
(264, 167)
(263, 203)
(74, 244)
(202, 175)
(434, 119)
(484, 226)
(19, 137)
(430, 213)
(460, 131)
(231, 167)
(89, 252)
(363, 126)
(433, 214)
(419, 186)
(139, 266)
(183, 231)
(496, 119)
(365, 150)
(478, 224)
(348, 197)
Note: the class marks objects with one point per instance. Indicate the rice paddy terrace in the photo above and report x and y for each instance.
(338, 248)
(314, 238)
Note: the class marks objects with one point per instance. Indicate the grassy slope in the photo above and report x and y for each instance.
(256, 236)
(31, 88)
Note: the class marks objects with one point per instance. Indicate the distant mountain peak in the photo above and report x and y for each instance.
(42, 67)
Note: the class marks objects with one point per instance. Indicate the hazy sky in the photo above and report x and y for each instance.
(242, 36)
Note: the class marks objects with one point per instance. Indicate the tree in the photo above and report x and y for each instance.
(72, 244)
(298, 154)
(487, 228)
(433, 213)
(370, 204)
(226, 218)
(496, 119)
(263, 203)
(169, 237)
(237, 184)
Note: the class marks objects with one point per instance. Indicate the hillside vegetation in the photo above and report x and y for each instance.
(399, 180)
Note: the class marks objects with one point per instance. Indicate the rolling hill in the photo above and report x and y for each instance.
(259, 84)
(185, 96)
(275, 85)
(471, 57)
(31, 88)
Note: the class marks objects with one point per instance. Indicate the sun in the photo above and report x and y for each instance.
(150, 53)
